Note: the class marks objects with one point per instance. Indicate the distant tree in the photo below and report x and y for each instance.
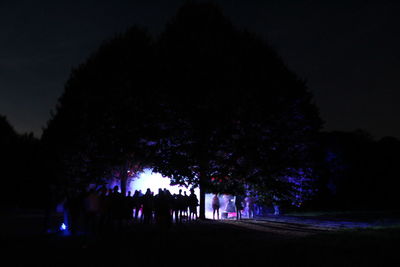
(8, 140)
(356, 171)
(8, 134)
(19, 164)
(386, 173)
(30, 183)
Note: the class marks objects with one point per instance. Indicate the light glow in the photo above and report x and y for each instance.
(154, 181)
(63, 227)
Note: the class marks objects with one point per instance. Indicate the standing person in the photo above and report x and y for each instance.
(103, 210)
(162, 209)
(73, 205)
(239, 206)
(193, 203)
(181, 204)
(215, 206)
(137, 205)
(127, 206)
(147, 206)
(116, 209)
(51, 206)
(186, 204)
(250, 206)
(92, 211)
(169, 201)
(175, 207)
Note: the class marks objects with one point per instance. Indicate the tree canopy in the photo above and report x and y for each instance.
(204, 103)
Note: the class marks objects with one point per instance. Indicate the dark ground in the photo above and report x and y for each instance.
(207, 243)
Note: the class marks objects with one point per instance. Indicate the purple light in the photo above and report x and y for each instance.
(153, 180)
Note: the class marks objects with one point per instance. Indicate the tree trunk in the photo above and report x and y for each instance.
(124, 178)
(202, 215)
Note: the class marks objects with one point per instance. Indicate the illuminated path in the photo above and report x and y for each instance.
(291, 226)
(279, 228)
(331, 224)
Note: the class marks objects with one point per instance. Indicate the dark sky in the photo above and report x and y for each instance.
(348, 51)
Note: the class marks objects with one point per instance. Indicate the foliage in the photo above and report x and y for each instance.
(247, 118)
(205, 100)
(357, 171)
(99, 120)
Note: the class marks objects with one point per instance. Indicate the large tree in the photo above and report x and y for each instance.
(245, 117)
(203, 101)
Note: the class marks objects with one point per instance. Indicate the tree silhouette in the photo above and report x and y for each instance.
(245, 116)
(356, 172)
(205, 104)
(8, 140)
(19, 164)
(99, 120)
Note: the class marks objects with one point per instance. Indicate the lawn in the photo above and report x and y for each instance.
(208, 243)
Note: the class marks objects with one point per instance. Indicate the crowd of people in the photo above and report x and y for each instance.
(103, 210)
(109, 210)
(237, 206)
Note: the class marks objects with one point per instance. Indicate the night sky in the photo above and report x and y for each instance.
(348, 51)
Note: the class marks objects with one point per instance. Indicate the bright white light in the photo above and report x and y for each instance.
(154, 181)
(63, 227)
(223, 201)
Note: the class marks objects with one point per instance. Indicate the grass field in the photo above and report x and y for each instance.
(211, 243)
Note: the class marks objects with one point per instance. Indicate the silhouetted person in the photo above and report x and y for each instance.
(215, 206)
(180, 204)
(185, 205)
(193, 203)
(51, 206)
(147, 206)
(162, 214)
(126, 209)
(103, 209)
(116, 208)
(239, 206)
(169, 200)
(137, 203)
(92, 211)
(74, 206)
(162, 209)
(250, 206)
(175, 207)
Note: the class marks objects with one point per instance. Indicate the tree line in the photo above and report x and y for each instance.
(354, 171)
